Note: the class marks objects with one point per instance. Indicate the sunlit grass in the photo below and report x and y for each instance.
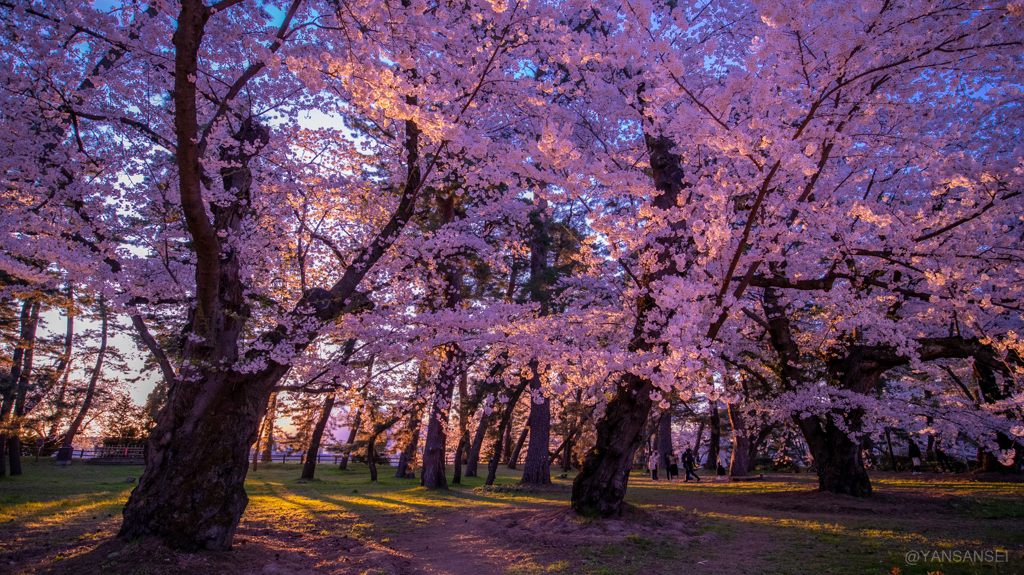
(55, 505)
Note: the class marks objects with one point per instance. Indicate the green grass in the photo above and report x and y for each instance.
(771, 527)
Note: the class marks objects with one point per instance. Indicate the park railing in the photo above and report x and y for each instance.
(297, 457)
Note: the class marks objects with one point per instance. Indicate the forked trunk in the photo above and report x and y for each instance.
(309, 467)
(28, 340)
(90, 392)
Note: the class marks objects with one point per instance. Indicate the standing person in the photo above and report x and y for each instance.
(688, 465)
(652, 464)
(673, 467)
(915, 456)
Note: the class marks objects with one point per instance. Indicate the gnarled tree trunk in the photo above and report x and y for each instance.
(600, 487)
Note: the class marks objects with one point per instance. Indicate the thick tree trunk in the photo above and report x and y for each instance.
(714, 438)
(513, 458)
(837, 459)
(434, 448)
(268, 437)
(537, 467)
(665, 439)
(309, 467)
(600, 487)
(192, 493)
(90, 392)
(739, 465)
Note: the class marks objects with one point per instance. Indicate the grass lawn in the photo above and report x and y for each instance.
(63, 520)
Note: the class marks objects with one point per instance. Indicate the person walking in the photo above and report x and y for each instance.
(688, 465)
(652, 464)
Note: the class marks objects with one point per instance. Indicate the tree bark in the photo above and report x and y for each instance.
(434, 448)
(371, 456)
(309, 467)
(192, 493)
(356, 422)
(537, 467)
(464, 414)
(567, 453)
(28, 338)
(715, 438)
(739, 465)
(90, 392)
(600, 486)
(513, 457)
(408, 457)
(837, 459)
(665, 439)
(473, 459)
(507, 450)
(696, 442)
(503, 426)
